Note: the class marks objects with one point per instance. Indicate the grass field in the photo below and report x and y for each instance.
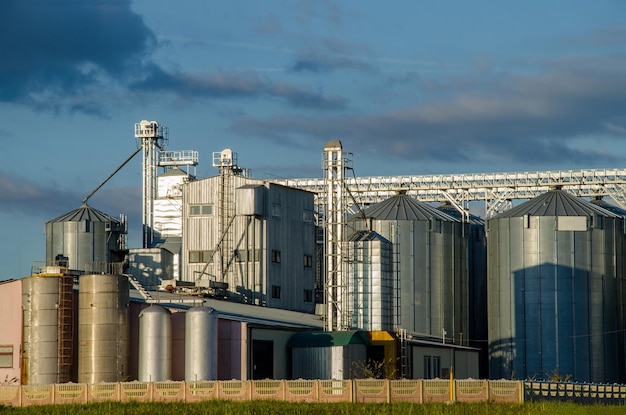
(278, 408)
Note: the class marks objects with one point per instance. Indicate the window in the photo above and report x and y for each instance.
(199, 210)
(432, 367)
(275, 291)
(247, 255)
(308, 296)
(6, 356)
(276, 210)
(200, 256)
(308, 261)
(276, 257)
(307, 215)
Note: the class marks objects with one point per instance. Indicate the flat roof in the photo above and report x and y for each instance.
(229, 310)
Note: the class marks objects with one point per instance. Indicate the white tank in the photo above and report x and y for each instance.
(155, 344)
(201, 344)
(103, 328)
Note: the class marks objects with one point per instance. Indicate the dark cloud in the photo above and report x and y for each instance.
(244, 85)
(529, 119)
(50, 200)
(52, 48)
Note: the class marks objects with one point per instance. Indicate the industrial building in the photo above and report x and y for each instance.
(241, 278)
(249, 240)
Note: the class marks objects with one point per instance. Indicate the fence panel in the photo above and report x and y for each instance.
(11, 395)
(267, 389)
(70, 393)
(583, 393)
(506, 391)
(37, 395)
(470, 390)
(201, 390)
(136, 391)
(334, 391)
(101, 392)
(405, 390)
(234, 390)
(371, 390)
(435, 390)
(169, 391)
(301, 390)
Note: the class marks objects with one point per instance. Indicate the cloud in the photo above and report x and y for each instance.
(319, 62)
(49, 200)
(62, 47)
(529, 119)
(238, 85)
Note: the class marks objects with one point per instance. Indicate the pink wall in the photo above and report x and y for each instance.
(232, 350)
(11, 326)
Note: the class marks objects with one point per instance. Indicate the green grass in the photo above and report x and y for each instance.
(278, 408)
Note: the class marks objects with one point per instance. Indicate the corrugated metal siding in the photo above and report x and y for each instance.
(433, 277)
(284, 231)
(555, 299)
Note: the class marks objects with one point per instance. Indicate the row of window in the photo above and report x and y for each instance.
(207, 210)
(308, 294)
(244, 255)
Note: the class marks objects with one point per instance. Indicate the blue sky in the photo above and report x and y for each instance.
(410, 87)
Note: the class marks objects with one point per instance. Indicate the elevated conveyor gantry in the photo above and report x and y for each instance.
(496, 190)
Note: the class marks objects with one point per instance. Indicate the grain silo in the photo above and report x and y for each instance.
(48, 303)
(477, 281)
(155, 344)
(429, 262)
(103, 328)
(200, 344)
(370, 282)
(555, 289)
(85, 238)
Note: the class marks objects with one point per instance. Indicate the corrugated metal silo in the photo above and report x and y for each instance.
(370, 282)
(430, 263)
(555, 283)
(48, 302)
(155, 344)
(103, 328)
(477, 280)
(84, 236)
(200, 344)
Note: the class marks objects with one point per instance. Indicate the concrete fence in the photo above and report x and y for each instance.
(301, 390)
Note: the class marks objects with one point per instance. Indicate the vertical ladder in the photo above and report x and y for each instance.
(226, 215)
(404, 353)
(65, 327)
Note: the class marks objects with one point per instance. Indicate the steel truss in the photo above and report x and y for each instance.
(496, 190)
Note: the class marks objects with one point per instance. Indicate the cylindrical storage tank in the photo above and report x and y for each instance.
(430, 265)
(477, 282)
(370, 282)
(85, 236)
(555, 288)
(155, 344)
(103, 328)
(200, 344)
(48, 303)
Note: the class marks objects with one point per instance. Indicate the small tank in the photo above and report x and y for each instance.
(155, 344)
(200, 344)
(103, 328)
